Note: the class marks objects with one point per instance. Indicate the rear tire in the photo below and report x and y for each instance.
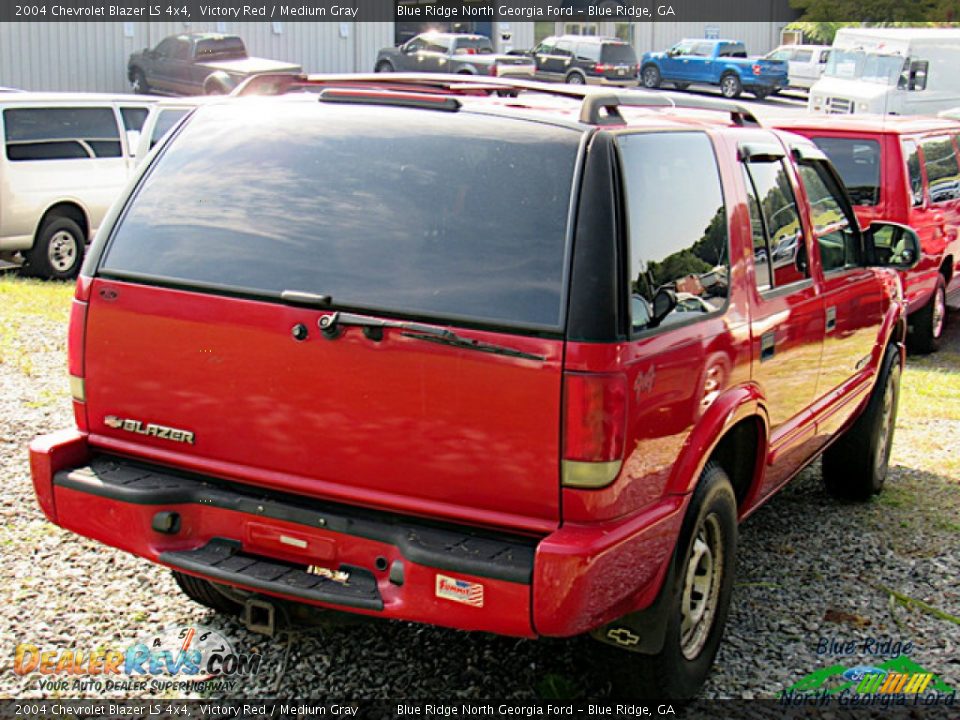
(761, 94)
(730, 86)
(205, 593)
(57, 251)
(681, 85)
(926, 325)
(575, 78)
(855, 466)
(383, 67)
(704, 561)
(650, 77)
(139, 82)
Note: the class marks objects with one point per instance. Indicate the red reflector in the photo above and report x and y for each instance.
(594, 417)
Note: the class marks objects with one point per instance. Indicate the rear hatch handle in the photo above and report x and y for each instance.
(373, 328)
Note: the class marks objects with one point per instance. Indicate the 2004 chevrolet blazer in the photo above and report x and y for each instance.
(417, 353)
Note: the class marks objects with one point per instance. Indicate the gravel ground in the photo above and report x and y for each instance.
(809, 568)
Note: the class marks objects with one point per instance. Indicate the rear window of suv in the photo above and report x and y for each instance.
(452, 215)
(618, 54)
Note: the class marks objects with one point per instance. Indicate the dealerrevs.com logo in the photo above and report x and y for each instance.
(180, 657)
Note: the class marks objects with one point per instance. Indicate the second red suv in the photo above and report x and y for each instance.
(512, 364)
(906, 170)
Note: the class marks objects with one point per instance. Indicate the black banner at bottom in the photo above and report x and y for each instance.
(162, 709)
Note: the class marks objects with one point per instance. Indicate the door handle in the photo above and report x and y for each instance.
(831, 318)
(768, 342)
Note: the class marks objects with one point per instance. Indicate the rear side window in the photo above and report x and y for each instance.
(588, 51)
(779, 256)
(735, 50)
(858, 162)
(61, 133)
(686, 252)
(911, 155)
(134, 117)
(447, 215)
(618, 54)
(943, 172)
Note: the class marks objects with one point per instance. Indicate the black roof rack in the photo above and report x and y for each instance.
(599, 105)
(602, 109)
(360, 96)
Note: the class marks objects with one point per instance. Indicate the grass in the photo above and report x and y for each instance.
(25, 303)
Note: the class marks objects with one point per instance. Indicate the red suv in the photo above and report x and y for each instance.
(906, 170)
(513, 364)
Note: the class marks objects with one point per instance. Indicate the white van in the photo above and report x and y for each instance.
(805, 63)
(65, 158)
(890, 71)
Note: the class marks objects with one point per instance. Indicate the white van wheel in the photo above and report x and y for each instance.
(57, 251)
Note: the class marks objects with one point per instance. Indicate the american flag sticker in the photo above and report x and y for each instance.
(460, 591)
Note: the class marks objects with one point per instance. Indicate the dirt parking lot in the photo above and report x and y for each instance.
(810, 570)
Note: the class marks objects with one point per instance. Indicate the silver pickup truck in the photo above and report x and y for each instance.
(197, 64)
(435, 52)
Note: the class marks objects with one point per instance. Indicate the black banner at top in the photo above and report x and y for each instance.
(395, 10)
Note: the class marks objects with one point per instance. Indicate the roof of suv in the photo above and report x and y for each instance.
(71, 98)
(872, 124)
(579, 107)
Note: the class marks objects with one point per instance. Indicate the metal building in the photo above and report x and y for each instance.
(92, 56)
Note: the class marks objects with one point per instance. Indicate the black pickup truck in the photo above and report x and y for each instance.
(197, 64)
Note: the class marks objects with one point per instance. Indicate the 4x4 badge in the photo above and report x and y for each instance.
(140, 428)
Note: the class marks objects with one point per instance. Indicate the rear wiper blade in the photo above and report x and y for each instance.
(373, 329)
(451, 338)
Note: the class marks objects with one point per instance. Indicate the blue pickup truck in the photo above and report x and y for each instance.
(713, 62)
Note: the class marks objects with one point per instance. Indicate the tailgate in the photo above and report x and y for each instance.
(441, 247)
(472, 434)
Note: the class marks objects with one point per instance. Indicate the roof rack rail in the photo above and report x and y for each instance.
(602, 109)
(599, 106)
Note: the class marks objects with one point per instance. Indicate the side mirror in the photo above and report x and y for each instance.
(663, 304)
(892, 245)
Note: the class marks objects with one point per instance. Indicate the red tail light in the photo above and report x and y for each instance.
(75, 341)
(757, 69)
(594, 416)
(494, 70)
(600, 67)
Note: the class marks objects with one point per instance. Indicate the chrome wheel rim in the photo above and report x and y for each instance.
(729, 86)
(703, 576)
(650, 77)
(939, 311)
(575, 80)
(886, 427)
(62, 251)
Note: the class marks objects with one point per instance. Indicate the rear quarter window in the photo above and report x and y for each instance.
(685, 252)
(61, 133)
(943, 171)
(412, 212)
